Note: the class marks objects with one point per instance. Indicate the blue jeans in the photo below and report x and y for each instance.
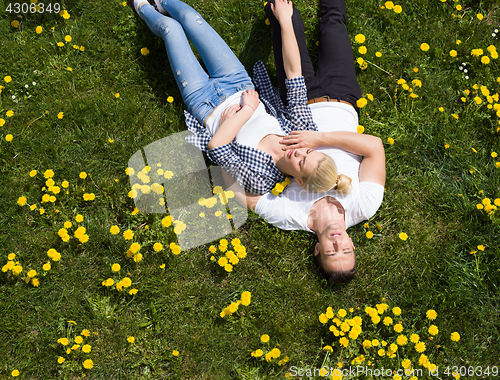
(200, 91)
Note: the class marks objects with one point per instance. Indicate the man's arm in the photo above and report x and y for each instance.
(372, 167)
(242, 197)
(283, 11)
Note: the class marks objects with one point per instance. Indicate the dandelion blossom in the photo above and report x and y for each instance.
(144, 51)
(361, 102)
(359, 38)
(369, 234)
(424, 47)
(420, 347)
(455, 336)
(433, 330)
(403, 236)
(128, 234)
(431, 314)
(88, 364)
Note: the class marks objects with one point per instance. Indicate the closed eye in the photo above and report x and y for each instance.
(301, 163)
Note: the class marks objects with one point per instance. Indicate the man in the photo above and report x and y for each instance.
(332, 91)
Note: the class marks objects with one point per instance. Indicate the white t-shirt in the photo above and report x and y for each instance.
(290, 209)
(254, 130)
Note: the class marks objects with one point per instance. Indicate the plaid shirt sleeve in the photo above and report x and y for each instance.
(298, 111)
(201, 136)
(297, 115)
(252, 169)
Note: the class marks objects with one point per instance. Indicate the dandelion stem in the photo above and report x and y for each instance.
(24, 130)
(378, 67)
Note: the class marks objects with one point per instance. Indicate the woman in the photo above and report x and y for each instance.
(225, 114)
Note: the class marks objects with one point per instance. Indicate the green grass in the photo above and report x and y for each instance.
(431, 194)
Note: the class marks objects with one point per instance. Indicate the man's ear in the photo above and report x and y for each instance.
(316, 249)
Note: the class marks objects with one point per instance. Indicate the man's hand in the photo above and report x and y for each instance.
(282, 10)
(301, 139)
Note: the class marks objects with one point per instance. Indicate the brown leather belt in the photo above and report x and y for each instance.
(327, 99)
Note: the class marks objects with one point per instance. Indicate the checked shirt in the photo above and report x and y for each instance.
(253, 169)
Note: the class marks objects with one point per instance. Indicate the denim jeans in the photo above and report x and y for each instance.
(336, 74)
(201, 92)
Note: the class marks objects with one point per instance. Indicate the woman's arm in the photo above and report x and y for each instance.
(231, 125)
(372, 167)
(283, 11)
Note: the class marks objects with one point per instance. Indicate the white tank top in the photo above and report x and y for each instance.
(255, 129)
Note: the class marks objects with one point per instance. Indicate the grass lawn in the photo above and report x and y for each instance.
(92, 288)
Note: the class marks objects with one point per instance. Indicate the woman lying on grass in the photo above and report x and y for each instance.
(227, 118)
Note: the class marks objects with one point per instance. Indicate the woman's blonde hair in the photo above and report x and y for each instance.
(326, 178)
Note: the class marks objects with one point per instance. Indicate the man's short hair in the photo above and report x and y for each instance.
(338, 277)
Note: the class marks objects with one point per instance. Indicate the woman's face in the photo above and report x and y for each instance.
(301, 163)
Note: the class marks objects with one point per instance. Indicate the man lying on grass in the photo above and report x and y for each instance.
(333, 92)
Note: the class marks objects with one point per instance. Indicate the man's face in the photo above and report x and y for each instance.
(335, 249)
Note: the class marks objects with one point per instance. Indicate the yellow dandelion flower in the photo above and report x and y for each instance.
(359, 38)
(88, 364)
(176, 249)
(433, 330)
(420, 347)
(128, 234)
(403, 236)
(455, 336)
(144, 51)
(431, 314)
(424, 47)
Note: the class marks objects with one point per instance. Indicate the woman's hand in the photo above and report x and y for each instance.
(228, 112)
(251, 98)
(282, 10)
(301, 139)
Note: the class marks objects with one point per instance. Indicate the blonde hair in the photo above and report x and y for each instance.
(326, 178)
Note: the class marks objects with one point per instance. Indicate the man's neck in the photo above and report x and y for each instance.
(325, 212)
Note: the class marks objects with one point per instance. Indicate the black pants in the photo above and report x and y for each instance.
(336, 75)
